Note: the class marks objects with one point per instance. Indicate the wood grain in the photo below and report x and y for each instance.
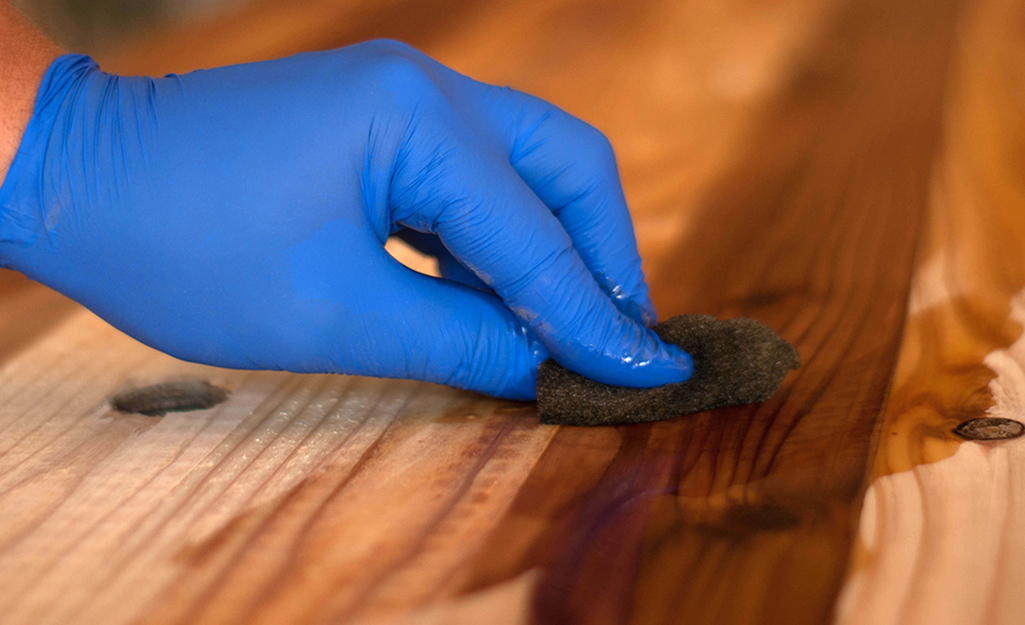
(846, 171)
(725, 506)
(941, 531)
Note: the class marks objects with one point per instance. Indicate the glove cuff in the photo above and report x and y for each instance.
(23, 218)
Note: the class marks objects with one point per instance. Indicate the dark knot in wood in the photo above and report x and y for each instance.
(989, 429)
(159, 399)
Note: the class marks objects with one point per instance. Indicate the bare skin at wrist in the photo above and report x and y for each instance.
(25, 54)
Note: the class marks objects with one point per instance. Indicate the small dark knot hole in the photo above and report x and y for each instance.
(159, 399)
(989, 429)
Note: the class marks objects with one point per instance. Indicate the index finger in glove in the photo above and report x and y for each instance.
(571, 167)
(488, 217)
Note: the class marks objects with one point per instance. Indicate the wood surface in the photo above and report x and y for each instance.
(847, 171)
(942, 531)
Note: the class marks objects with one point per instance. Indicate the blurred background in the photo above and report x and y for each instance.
(90, 24)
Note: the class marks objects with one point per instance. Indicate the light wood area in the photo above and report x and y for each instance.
(847, 171)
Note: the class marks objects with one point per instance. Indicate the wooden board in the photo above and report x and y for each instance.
(941, 532)
(846, 171)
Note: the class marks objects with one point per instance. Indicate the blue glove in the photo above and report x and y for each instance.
(237, 217)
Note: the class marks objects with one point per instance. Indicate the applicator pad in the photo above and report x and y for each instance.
(736, 361)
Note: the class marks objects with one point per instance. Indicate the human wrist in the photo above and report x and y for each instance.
(25, 55)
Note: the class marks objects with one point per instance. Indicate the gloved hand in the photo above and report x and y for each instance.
(237, 217)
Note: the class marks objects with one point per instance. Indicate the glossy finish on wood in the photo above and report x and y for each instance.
(846, 172)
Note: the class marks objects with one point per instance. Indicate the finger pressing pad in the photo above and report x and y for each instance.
(736, 361)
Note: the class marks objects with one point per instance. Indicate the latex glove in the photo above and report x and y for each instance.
(237, 217)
